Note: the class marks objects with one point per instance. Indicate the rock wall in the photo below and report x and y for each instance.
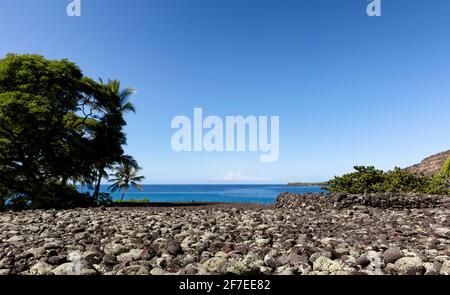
(377, 200)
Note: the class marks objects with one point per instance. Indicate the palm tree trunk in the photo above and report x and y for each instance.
(64, 181)
(124, 192)
(97, 186)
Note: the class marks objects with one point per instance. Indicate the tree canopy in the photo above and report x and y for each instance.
(56, 125)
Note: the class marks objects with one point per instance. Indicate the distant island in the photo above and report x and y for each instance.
(307, 183)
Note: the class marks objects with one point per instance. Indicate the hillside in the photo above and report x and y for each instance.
(429, 166)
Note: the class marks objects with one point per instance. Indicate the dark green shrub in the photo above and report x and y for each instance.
(445, 170)
(364, 180)
(133, 201)
(438, 185)
(402, 181)
(61, 197)
(18, 202)
(5, 195)
(104, 199)
(2, 202)
(371, 180)
(53, 196)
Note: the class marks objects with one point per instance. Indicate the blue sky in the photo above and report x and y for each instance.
(349, 89)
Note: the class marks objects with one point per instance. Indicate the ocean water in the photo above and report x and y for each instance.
(259, 194)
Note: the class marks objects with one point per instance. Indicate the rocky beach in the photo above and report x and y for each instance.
(301, 235)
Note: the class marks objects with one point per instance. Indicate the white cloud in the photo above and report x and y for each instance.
(240, 177)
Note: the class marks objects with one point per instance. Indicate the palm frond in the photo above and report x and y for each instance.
(137, 185)
(113, 179)
(138, 178)
(115, 187)
(128, 107)
(126, 92)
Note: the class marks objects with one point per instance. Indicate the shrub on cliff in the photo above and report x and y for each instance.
(371, 180)
(440, 182)
(445, 170)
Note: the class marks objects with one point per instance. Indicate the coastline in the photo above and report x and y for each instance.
(210, 193)
(307, 184)
(324, 235)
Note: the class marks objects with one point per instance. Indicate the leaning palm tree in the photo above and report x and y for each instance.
(125, 176)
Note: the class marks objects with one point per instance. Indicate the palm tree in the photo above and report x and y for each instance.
(123, 96)
(79, 180)
(125, 175)
(118, 105)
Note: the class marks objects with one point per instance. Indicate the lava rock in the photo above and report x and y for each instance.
(174, 247)
(391, 255)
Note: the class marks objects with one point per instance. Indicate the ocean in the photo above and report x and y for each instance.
(258, 194)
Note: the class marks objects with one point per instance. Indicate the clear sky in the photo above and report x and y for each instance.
(349, 89)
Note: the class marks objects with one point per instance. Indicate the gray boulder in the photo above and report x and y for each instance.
(409, 266)
(134, 270)
(115, 249)
(41, 269)
(391, 255)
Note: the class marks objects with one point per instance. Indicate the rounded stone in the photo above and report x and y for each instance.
(409, 266)
(391, 255)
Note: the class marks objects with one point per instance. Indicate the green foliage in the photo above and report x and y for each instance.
(56, 126)
(104, 199)
(3, 197)
(399, 180)
(445, 170)
(62, 197)
(438, 185)
(133, 201)
(361, 181)
(440, 182)
(371, 180)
